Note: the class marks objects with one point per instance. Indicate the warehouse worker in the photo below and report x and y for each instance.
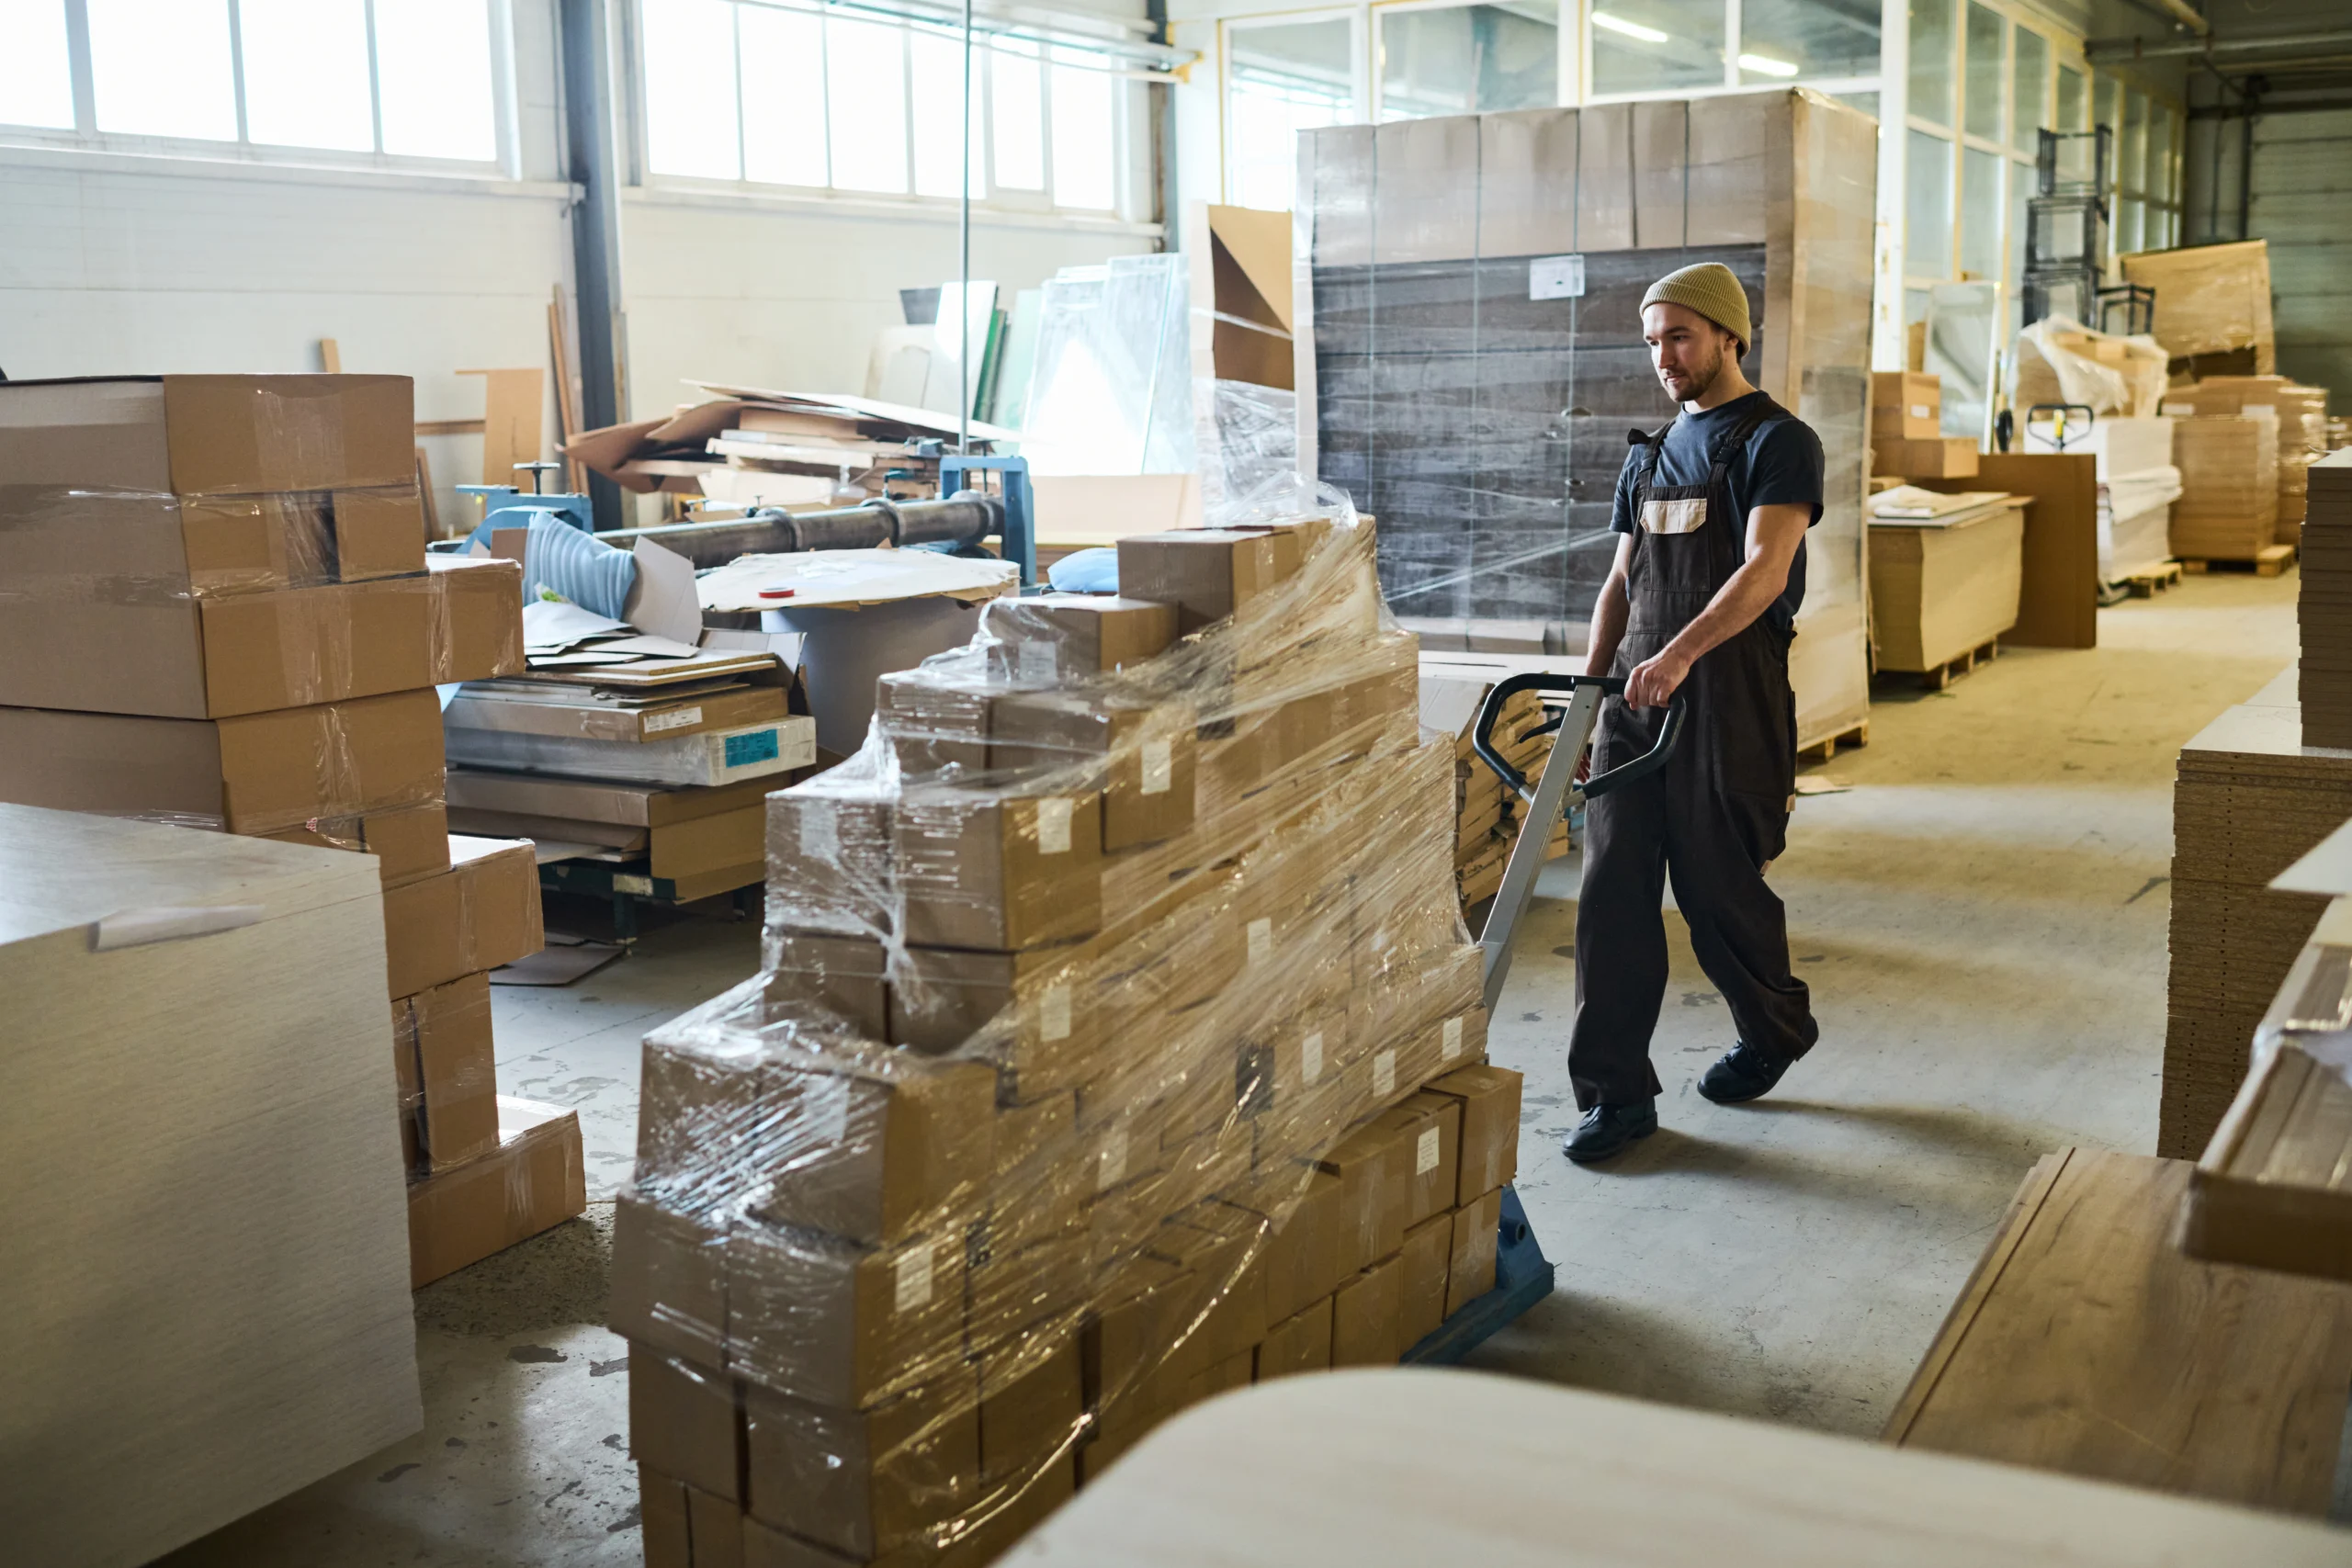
(1701, 604)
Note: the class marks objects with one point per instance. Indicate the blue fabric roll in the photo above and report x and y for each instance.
(1086, 571)
(557, 556)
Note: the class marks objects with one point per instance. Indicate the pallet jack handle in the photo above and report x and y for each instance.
(1551, 796)
(1669, 734)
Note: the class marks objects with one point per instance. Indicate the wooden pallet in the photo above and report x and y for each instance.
(2267, 562)
(2148, 584)
(1821, 751)
(1950, 669)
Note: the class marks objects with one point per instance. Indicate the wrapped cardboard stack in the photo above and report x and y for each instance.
(1118, 1043)
(2302, 415)
(2212, 307)
(2325, 604)
(2228, 508)
(223, 617)
(2251, 798)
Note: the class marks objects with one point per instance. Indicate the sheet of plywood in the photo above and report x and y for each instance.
(204, 1269)
(512, 432)
(2085, 1343)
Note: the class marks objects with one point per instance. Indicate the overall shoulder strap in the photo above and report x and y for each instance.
(1655, 444)
(1731, 440)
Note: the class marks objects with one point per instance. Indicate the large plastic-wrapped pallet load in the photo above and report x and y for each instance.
(1118, 1042)
(1468, 294)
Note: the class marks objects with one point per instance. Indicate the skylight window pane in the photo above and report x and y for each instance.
(162, 68)
(36, 76)
(433, 67)
(306, 73)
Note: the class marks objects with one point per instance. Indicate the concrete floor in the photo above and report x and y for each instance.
(1981, 916)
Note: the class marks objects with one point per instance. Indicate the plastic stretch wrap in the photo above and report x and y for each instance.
(1085, 1074)
(2062, 361)
(2210, 299)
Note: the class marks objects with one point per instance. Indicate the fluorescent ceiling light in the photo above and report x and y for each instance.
(1763, 65)
(1631, 30)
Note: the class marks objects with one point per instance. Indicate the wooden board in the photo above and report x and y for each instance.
(2058, 595)
(512, 423)
(2274, 1189)
(2085, 1343)
(1412, 1469)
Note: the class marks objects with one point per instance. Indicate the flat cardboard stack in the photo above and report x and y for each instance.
(2302, 413)
(223, 617)
(1118, 1043)
(2212, 307)
(202, 1270)
(2228, 508)
(1487, 817)
(1945, 572)
(2323, 605)
(2250, 799)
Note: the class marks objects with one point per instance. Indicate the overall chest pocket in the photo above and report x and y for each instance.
(1677, 514)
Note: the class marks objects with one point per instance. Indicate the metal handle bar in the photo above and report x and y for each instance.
(1670, 734)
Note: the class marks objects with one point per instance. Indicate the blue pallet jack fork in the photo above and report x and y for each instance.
(1523, 1276)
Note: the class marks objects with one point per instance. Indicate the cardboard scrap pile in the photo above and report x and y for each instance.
(222, 615)
(2251, 798)
(1118, 1044)
(2325, 604)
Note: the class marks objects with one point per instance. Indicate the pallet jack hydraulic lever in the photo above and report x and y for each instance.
(1523, 1276)
(1554, 794)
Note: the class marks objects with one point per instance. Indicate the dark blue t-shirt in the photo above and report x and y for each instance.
(1781, 466)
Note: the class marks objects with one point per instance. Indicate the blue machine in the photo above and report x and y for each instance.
(1018, 527)
(508, 506)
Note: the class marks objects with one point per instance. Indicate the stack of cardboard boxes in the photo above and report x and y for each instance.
(1906, 430)
(2301, 416)
(2228, 508)
(1487, 818)
(2325, 604)
(221, 614)
(1118, 1042)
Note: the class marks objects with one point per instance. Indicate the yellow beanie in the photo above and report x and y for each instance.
(1711, 289)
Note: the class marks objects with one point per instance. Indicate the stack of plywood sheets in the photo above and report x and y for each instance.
(2250, 799)
(2325, 604)
(204, 1265)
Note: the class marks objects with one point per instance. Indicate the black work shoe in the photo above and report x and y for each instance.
(1740, 1073)
(1607, 1130)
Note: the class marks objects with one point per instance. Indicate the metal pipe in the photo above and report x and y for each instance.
(2120, 51)
(964, 518)
(2178, 12)
(964, 257)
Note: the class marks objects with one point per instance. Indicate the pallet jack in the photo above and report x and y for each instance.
(1523, 1276)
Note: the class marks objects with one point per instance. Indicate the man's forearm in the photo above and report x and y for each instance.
(1609, 615)
(1742, 598)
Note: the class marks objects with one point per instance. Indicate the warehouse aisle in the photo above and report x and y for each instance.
(1981, 916)
(1789, 1260)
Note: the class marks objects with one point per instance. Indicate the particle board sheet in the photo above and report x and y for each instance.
(2324, 602)
(2248, 799)
(204, 1265)
(2085, 1342)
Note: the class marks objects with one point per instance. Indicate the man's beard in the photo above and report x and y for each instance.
(1702, 378)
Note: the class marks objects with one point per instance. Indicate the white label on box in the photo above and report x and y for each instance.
(1053, 1012)
(1310, 1057)
(1262, 941)
(1425, 1153)
(1921, 411)
(1112, 1167)
(641, 886)
(1555, 277)
(1450, 1039)
(1036, 662)
(1053, 824)
(655, 723)
(1159, 766)
(820, 839)
(828, 1113)
(1384, 1073)
(914, 1276)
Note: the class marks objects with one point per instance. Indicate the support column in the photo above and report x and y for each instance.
(593, 162)
(1887, 338)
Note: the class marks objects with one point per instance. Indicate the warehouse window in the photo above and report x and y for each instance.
(1453, 59)
(1654, 48)
(411, 79)
(1280, 78)
(850, 99)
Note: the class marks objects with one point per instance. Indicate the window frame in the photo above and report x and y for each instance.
(86, 137)
(987, 196)
(1371, 95)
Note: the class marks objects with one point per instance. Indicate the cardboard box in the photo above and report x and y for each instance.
(828, 978)
(587, 717)
(1053, 638)
(1490, 1097)
(1429, 1127)
(535, 1179)
(1477, 1231)
(686, 1421)
(1142, 1310)
(1299, 1343)
(1140, 756)
(1906, 406)
(1206, 573)
(687, 833)
(829, 860)
(664, 1520)
(1038, 1010)
(1427, 1254)
(477, 625)
(841, 1325)
(1019, 1288)
(877, 1155)
(411, 1095)
(64, 538)
(933, 722)
(1033, 1400)
(445, 1030)
(261, 773)
(482, 913)
(668, 1280)
(1950, 458)
(408, 841)
(1367, 1316)
(1303, 1261)
(996, 871)
(715, 1524)
(1223, 1249)
(210, 435)
(1375, 1169)
(863, 1482)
